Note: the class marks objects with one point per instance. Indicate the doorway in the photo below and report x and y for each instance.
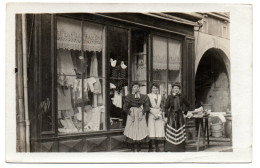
(212, 83)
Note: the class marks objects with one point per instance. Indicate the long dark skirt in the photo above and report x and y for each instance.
(175, 132)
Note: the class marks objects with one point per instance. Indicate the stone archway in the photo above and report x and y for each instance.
(212, 81)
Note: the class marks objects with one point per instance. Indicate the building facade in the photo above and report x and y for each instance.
(81, 66)
(212, 63)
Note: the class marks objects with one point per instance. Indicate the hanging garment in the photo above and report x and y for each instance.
(68, 126)
(65, 65)
(77, 92)
(156, 126)
(97, 98)
(114, 72)
(117, 99)
(64, 98)
(65, 113)
(94, 73)
(122, 75)
(93, 119)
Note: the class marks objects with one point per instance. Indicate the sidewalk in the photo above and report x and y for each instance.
(215, 145)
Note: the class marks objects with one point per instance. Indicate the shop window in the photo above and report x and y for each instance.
(118, 77)
(166, 63)
(139, 59)
(46, 114)
(160, 63)
(174, 69)
(81, 77)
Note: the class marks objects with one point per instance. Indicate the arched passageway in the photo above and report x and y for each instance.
(212, 82)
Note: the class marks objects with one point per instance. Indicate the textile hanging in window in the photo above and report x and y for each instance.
(159, 53)
(174, 54)
(68, 34)
(92, 36)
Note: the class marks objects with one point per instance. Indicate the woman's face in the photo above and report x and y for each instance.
(176, 89)
(155, 90)
(136, 88)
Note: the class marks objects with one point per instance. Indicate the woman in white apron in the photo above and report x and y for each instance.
(156, 118)
(136, 106)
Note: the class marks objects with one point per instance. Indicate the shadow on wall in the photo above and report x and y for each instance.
(212, 84)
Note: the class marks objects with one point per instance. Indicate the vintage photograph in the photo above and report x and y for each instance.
(123, 82)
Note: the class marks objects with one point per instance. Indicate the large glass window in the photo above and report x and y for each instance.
(166, 63)
(174, 69)
(81, 76)
(139, 59)
(118, 79)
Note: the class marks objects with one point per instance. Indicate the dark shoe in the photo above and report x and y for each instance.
(157, 149)
(132, 147)
(150, 150)
(139, 147)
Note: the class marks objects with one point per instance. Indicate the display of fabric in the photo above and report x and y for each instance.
(92, 36)
(140, 68)
(65, 113)
(68, 34)
(65, 66)
(64, 98)
(159, 53)
(117, 101)
(122, 75)
(68, 126)
(97, 98)
(113, 72)
(93, 119)
(94, 73)
(175, 47)
(118, 75)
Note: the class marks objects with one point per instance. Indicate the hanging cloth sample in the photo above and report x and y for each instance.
(94, 73)
(64, 98)
(122, 75)
(97, 99)
(65, 65)
(117, 101)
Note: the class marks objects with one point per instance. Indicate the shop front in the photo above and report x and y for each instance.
(81, 67)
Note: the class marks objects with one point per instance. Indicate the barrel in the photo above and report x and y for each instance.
(217, 130)
(228, 127)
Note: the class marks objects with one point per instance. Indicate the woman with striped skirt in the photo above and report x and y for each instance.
(175, 128)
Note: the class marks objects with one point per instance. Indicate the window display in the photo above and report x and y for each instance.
(139, 59)
(118, 77)
(160, 66)
(80, 82)
(160, 63)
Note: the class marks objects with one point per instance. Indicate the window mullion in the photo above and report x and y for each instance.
(82, 79)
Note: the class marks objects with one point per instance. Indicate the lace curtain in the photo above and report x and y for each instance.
(160, 53)
(69, 35)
